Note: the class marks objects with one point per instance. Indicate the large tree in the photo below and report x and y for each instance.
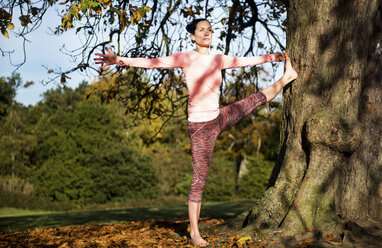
(329, 170)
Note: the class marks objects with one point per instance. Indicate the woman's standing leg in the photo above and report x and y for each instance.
(202, 137)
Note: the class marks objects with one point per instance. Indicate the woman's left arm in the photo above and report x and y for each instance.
(235, 62)
(168, 62)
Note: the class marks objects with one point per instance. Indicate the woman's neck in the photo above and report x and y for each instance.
(202, 50)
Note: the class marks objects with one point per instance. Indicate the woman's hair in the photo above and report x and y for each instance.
(192, 25)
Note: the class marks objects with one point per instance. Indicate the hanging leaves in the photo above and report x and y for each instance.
(84, 6)
(5, 22)
(5, 32)
(25, 20)
(10, 26)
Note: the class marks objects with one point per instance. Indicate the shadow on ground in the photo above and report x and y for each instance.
(209, 209)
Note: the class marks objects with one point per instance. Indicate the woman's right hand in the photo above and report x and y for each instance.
(106, 59)
(277, 57)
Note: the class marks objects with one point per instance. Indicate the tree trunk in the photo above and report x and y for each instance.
(330, 162)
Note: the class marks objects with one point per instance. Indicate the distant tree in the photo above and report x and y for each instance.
(17, 143)
(8, 86)
(81, 154)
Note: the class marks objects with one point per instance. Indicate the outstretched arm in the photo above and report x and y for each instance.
(172, 61)
(235, 62)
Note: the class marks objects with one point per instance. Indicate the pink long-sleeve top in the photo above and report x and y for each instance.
(202, 74)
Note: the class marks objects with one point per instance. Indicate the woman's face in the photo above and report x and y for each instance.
(203, 34)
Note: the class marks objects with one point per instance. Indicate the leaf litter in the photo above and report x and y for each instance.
(138, 234)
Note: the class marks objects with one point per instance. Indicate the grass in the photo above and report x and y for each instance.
(20, 220)
(12, 212)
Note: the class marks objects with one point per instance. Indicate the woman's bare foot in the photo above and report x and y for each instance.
(289, 73)
(197, 240)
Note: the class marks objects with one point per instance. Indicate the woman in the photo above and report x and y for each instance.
(206, 121)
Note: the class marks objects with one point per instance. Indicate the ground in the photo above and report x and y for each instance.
(163, 226)
(151, 233)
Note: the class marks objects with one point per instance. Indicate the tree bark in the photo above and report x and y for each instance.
(330, 161)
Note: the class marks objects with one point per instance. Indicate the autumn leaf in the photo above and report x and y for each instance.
(5, 32)
(244, 239)
(10, 26)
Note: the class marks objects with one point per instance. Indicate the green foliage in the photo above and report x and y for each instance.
(255, 181)
(221, 180)
(220, 185)
(8, 88)
(172, 165)
(5, 22)
(183, 187)
(81, 154)
(17, 143)
(78, 132)
(120, 173)
(62, 181)
(76, 9)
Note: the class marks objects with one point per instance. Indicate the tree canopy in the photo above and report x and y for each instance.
(150, 29)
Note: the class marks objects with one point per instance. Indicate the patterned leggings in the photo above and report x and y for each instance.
(204, 134)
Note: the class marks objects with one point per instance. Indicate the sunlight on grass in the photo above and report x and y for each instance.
(10, 212)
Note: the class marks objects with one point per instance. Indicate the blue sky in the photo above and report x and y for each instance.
(43, 49)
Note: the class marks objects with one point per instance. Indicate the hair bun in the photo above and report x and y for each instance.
(189, 27)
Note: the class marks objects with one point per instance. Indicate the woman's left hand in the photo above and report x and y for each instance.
(277, 57)
(106, 59)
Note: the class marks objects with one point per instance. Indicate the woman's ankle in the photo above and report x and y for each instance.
(194, 232)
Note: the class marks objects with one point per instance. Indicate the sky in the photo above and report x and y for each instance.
(43, 49)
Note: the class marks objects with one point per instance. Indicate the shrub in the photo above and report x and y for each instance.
(220, 184)
(62, 181)
(122, 173)
(255, 181)
(221, 180)
(171, 165)
(114, 174)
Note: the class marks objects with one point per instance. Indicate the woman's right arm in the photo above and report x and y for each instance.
(229, 62)
(172, 61)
